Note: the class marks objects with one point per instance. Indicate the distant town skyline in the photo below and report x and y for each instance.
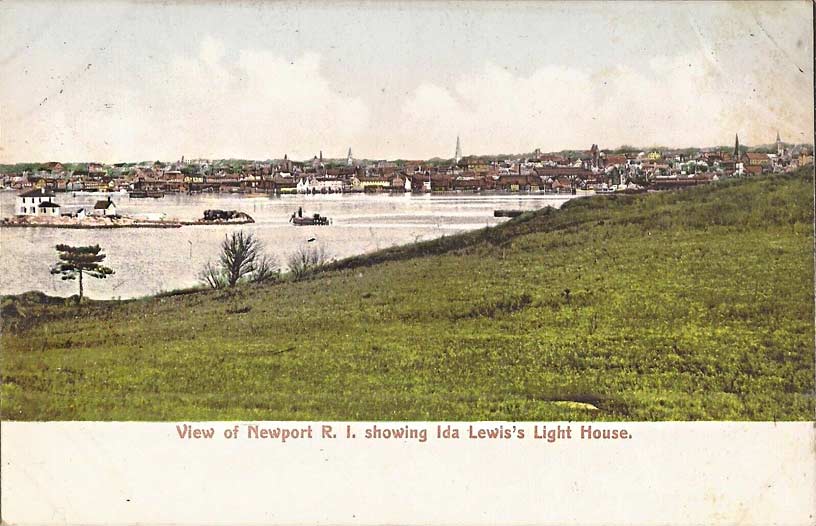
(133, 82)
(458, 154)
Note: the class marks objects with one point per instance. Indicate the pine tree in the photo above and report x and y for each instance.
(77, 261)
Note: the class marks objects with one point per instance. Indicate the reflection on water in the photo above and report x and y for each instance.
(148, 261)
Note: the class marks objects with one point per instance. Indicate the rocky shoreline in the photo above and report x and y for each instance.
(211, 217)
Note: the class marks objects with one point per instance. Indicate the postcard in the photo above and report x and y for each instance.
(407, 262)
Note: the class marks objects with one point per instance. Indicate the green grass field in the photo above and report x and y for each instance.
(690, 305)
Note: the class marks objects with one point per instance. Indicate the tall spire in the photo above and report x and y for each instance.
(780, 148)
(458, 155)
(349, 159)
(736, 147)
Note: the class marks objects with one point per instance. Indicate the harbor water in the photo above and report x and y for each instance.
(148, 261)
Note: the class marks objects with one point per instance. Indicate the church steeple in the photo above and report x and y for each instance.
(780, 148)
(458, 155)
(349, 158)
(736, 148)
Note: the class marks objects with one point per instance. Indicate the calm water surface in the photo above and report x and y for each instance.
(149, 260)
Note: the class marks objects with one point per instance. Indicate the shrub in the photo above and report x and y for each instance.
(307, 260)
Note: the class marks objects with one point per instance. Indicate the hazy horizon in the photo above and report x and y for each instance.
(119, 82)
(403, 158)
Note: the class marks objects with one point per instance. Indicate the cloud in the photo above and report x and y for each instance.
(249, 93)
(255, 104)
(259, 105)
(685, 100)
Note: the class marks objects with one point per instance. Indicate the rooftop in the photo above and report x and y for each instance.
(38, 192)
(103, 204)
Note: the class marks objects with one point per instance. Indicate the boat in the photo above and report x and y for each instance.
(314, 220)
(82, 193)
(146, 193)
(507, 213)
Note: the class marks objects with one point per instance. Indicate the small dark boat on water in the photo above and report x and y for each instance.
(146, 193)
(507, 213)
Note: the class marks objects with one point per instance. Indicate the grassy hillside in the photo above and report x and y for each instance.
(688, 305)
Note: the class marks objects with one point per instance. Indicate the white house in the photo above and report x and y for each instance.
(48, 208)
(105, 208)
(320, 186)
(28, 202)
(79, 213)
(302, 185)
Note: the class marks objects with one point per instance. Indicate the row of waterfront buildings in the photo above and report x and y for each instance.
(43, 202)
(537, 172)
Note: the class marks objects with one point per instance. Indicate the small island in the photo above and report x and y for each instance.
(38, 208)
(232, 217)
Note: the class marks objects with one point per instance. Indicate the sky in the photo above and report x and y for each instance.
(124, 81)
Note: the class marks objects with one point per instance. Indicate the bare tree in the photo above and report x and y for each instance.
(239, 251)
(242, 258)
